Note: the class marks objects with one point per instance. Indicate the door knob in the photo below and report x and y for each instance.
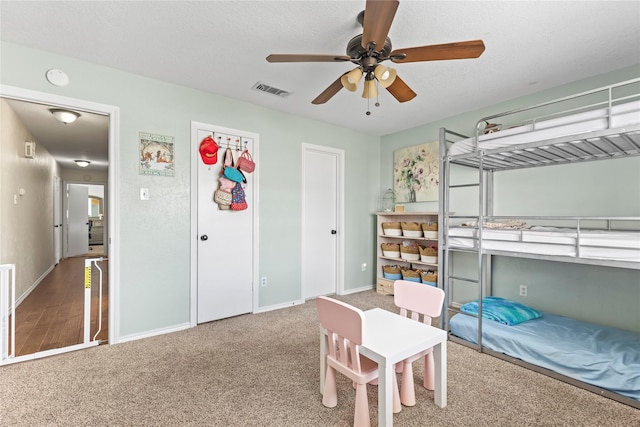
(204, 237)
(334, 232)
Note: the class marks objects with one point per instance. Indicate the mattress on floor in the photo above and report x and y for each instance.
(605, 357)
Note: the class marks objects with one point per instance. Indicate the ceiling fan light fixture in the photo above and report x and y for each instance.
(351, 79)
(82, 163)
(385, 75)
(370, 89)
(65, 116)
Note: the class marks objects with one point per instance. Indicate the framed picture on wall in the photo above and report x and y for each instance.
(156, 154)
(416, 173)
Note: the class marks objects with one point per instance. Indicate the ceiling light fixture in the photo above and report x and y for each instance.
(385, 75)
(82, 163)
(65, 116)
(370, 88)
(374, 74)
(351, 79)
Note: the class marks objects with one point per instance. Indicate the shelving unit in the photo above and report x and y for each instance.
(385, 286)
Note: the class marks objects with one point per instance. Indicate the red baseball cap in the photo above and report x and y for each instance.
(209, 151)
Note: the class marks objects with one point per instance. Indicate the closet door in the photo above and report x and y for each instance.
(322, 231)
(225, 237)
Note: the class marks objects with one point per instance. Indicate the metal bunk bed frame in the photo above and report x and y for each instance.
(609, 143)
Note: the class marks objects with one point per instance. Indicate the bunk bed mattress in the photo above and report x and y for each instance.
(605, 357)
(594, 244)
(621, 115)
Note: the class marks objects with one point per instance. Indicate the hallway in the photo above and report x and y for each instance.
(52, 316)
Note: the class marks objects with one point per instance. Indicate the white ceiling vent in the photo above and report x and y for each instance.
(262, 87)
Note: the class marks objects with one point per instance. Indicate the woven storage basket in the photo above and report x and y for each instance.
(391, 250)
(410, 252)
(391, 272)
(411, 275)
(429, 277)
(411, 229)
(429, 254)
(391, 229)
(430, 229)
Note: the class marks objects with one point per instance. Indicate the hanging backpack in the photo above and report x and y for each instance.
(238, 200)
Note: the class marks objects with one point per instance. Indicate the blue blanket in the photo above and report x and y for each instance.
(502, 310)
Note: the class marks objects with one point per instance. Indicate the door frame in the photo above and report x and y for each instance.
(195, 144)
(339, 212)
(113, 219)
(57, 218)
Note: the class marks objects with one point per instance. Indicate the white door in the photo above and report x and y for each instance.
(57, 220)
(321, 230)
(77, 219)
(225, 264)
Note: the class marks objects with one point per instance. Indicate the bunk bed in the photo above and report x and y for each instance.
(600, 124)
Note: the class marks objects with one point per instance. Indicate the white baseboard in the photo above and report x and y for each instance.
(278, 306)
(356, 290)
(156, 332)
(31, 288)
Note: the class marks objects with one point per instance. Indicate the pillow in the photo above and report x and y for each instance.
(502, 310)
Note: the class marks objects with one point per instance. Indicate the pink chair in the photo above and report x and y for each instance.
(345, 326)
(415, 299)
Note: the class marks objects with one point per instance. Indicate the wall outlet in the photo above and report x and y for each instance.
(523, 290)
(364, 266)
(263, 281)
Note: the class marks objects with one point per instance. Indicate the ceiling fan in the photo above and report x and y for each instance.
(369, 49)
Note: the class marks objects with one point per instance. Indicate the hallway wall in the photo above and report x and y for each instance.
(25, 226)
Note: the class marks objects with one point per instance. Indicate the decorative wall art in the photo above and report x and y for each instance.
(156, 154)
(416, 173)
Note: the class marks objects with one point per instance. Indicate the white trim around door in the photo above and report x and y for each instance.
(113, 217)
(307, 151)
(253, 201)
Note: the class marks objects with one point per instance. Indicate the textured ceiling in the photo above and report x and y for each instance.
(220, 47)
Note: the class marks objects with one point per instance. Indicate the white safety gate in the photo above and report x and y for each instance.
(8, 314)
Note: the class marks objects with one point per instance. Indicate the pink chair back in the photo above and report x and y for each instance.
(345, 329)
(341, 318)
(415, 298)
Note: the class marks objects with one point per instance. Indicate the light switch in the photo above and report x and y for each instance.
(144, 194)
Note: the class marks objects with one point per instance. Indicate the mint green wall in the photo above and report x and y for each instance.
(154, 235)
(603, 295)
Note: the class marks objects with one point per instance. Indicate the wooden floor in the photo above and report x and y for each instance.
(52, 316)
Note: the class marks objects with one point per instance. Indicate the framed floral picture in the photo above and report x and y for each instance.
(416, 173)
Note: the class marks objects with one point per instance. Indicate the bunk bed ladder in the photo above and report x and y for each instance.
(445, 250)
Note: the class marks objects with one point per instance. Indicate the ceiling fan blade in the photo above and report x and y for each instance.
(401, 91)
(307, 58)
(437, 52)
(378, 16)
(328, 93)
